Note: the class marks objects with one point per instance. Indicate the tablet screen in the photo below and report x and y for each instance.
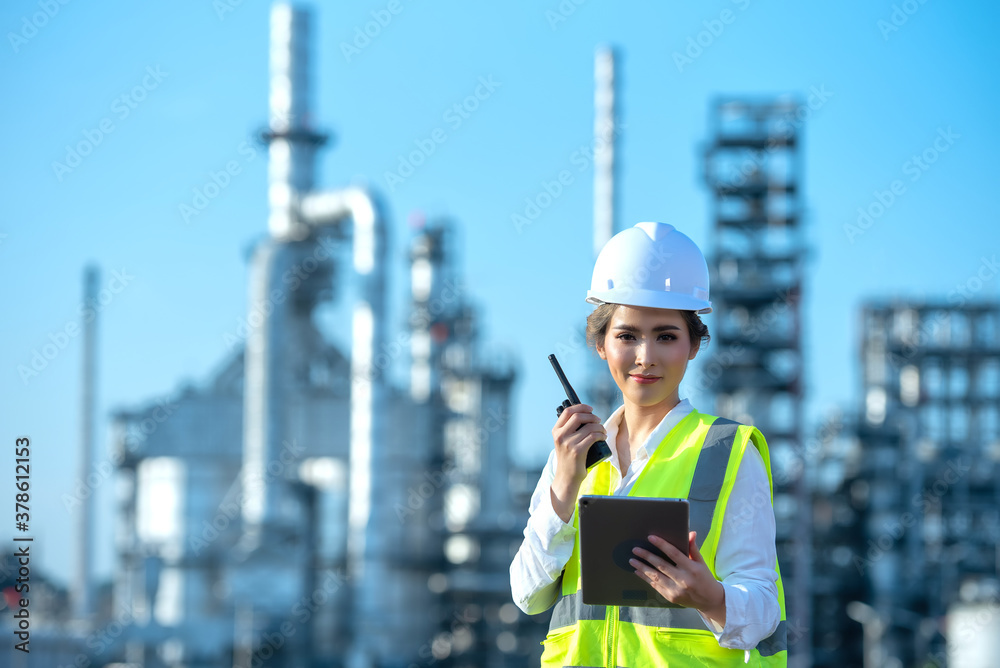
(610, 526)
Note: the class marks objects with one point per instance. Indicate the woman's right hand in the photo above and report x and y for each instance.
(576, 429)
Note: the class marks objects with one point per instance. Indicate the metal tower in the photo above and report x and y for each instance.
(466, 402)
(601, 391)
(753, 168)
(929, 426)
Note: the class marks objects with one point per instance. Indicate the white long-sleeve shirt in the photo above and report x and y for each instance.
(744, 561)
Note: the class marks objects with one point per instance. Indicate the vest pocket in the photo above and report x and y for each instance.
(700, 648)
(556, 646)
(686, 635)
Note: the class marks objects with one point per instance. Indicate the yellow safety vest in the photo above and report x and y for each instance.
(697, 460)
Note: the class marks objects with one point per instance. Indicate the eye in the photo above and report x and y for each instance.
(669, 337)
(624, 336)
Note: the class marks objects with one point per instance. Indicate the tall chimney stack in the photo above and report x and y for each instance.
(83, 589)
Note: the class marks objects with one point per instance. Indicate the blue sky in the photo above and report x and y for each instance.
(890, 88)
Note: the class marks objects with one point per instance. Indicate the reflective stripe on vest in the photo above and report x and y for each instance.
(571, 608)
(709, 474)
(708, 485)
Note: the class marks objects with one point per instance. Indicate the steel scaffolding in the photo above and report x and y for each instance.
(753, 168)
(929, 428)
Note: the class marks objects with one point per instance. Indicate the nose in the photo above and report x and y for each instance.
(642, 354)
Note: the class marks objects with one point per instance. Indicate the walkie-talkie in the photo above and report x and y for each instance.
(598, 451)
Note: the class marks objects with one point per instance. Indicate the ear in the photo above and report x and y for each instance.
(600, 351)
(694, 351)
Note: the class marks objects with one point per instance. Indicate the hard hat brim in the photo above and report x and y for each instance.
(649, 299)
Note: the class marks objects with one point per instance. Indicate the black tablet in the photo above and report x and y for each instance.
(610, 526)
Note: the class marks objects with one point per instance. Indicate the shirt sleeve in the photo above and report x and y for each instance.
(545, 550)
(746, 557)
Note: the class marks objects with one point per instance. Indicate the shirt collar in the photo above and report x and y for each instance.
(669, 421)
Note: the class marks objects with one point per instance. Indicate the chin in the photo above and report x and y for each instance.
(646, 400)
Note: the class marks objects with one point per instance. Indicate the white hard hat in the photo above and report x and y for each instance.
(651, 264)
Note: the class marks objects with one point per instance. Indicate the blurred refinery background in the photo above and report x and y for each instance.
(304, 507)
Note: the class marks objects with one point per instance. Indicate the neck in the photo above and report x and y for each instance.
(640, 421)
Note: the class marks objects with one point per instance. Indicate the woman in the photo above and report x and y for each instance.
(650, 283)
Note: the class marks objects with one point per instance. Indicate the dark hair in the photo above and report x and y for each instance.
(598, 321)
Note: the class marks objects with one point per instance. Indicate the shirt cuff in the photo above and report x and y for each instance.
(554, 534)
(719, 631)
(742, 621)
(735, 611)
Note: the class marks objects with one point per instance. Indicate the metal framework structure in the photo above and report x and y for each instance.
(753, 168)
(466, 405)
(929, 428)
(300, 509)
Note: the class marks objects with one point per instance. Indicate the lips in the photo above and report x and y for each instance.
(644, 380)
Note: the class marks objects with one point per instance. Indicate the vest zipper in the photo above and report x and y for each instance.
(611, 637)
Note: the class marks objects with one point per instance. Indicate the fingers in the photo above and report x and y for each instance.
(578, 443)
(576, 430)
(693, 547)
(687, 582)
(657, 579)
(667, 547)
(662, 574)
(576, 414)
(578, 420)
(645, 571)
(667, 565)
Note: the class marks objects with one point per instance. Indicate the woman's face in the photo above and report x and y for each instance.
(647, 350)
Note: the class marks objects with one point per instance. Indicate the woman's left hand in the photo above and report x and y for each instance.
(688, 582)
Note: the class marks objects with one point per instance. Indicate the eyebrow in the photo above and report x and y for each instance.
(658, 328)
